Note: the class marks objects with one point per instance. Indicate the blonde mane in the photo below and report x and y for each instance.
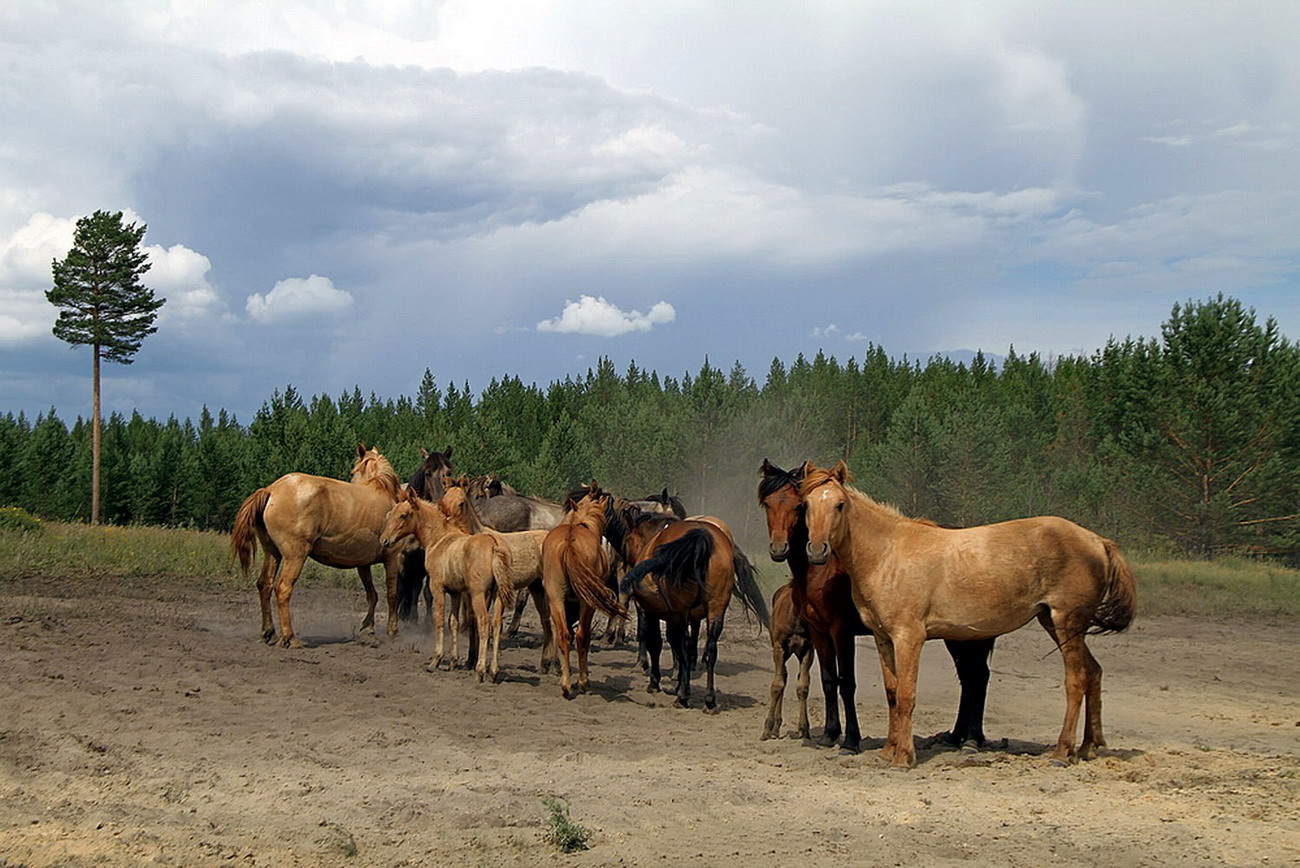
(374, 470)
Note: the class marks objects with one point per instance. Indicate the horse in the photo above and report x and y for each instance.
(512, 512)
(790, 637)
(822, 599)
(525, 547)
(682, 572)
(430, 481)
(489, 485)
(574, 560)
(661, 504)
(336, 523)
(912, 580)
(457, 563)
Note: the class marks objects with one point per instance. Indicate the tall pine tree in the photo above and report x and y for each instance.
(103, 304)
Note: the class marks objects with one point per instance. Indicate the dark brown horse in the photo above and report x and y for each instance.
(790, 638)
(913, 580)
(822, 599)
(683, 572)
(429, 481)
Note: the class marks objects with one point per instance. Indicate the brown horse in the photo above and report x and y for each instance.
(525, 547)
(682, 572)
(574, 560)
(457, 563)
(337, 523)
(913, 580)
(822, 599)
(790, 637)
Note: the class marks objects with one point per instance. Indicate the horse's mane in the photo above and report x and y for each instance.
(816, 477)
(467, 508)
(383, 477)
(672, 501)
(774, 479)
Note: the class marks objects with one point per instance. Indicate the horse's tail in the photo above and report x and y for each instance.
(501, 571)
(243, 537)
(751, 597)
(685, 559)
(588, 581)
(1119, 601)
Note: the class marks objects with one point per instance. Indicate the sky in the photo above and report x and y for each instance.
(342, 194)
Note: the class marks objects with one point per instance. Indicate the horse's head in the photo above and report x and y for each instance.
(401, 520)
(372, 468)
(778, 494)
(452, 506)
(825, 501)
(436, 467)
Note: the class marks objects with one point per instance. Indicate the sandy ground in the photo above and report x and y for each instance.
(144, 723)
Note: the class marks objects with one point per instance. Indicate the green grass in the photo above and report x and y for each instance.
(79, 550)
(1232, 587)
(566, 835)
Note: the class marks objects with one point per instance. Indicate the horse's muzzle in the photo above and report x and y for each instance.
(819, 553)
(779, 552)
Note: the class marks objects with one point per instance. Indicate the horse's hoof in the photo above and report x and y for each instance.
(680, 703)
(801, 734)
(1058, 763)
(970, 747)
(847, 749)
(711, 708)
(826, 740)
(652, 688)
(269, 637)
(368, 629)
(900, 768)
(291, 642)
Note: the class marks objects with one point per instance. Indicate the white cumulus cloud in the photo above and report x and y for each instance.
(180, 275)
(596, 316)
(297, 298)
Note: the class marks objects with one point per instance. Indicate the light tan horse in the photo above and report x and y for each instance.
(525, 547)
(337, 523)
(913, 581)
(458, 563)
(574, 560)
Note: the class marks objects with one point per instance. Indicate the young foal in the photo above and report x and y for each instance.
(457, 563)
(821, 598)
(336, 523)
(913, 581)
(790, 637)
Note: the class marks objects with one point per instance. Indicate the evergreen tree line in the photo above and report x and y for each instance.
(1189, 441)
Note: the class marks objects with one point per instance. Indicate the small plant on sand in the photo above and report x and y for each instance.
(17, 518)
(566, 835)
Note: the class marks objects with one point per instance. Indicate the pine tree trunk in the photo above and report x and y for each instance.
(94, 445)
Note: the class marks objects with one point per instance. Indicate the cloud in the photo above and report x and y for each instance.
(298, 298)
(596, 316)
(830, 331)
(180, 275)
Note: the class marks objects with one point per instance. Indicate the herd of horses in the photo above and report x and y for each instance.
(857, 568)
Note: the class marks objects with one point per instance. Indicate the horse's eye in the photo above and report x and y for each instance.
(839, 507)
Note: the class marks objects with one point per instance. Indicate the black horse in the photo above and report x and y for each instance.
(429, 482)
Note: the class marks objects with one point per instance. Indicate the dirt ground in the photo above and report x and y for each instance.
(144, 723)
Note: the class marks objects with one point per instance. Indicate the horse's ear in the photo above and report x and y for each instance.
(841, 472)
(667, 496)
(768, 469)
(424, 453)
(806, 468)
(447, 453)
(361, 449)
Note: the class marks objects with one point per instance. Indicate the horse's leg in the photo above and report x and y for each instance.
(440, 617)
(1076, 682)
(824, 648)
(677, 641)
(519, 614)
(265, 584)
(498, 619)
(550, 659)
(653, 642)
(972, 661)
(776, 693)
(889, 677)
(907, 642)
(290, 570)
(583, 640)
(693, 646)
(560, 626)
(1092, 737)
(372, 599)
(846, 673)
(642, 652)
(801, 688)
(392, 577)
(479, 605)
(712, 633)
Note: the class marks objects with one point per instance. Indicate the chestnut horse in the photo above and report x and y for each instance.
(912, 580)
(683, 571)
(457, 563)
(337, 523)
(821, 598)
(574, 561)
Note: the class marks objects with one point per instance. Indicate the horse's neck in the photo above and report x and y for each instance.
(430, 525)
(868, 529)
(474, 523)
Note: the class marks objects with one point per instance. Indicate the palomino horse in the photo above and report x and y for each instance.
(822, 599)
(337, 523)
(457, 563)
(790, 637)
(682, 572)
(525, 547)
(574, 560)
(429, 481)
(913, 580)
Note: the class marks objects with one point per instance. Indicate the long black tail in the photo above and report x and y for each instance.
(751, 597)
(681, 562)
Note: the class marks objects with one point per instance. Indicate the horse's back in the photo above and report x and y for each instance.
(339, 521)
